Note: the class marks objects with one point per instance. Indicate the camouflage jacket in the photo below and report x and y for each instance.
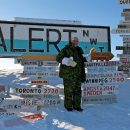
(77, 72)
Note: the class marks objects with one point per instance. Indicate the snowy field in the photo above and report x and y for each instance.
(114, 116)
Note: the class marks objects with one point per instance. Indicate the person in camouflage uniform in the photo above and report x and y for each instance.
(72, 70)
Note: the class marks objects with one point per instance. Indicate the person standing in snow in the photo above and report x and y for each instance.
(72, 70)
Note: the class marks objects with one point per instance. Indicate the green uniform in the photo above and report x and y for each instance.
(72, 76)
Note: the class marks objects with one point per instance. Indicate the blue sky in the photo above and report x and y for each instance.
(89, 12)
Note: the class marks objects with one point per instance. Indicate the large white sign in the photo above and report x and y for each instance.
(43, 38)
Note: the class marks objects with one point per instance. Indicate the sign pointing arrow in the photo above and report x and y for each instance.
(102, 56)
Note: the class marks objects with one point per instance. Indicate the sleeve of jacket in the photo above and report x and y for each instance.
(61, 55)
(81, 51)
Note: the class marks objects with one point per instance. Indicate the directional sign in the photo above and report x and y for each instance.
(125, 59)
(126, 39)
(7, 114)
(123, 55)
(125, 14)
(38, 57)
(39, 63)
(101, 69)
(104, 99)
(124, 1)
(39, 74)
(105, 80)
(126, 64)
(39, 82)
(14, 105)
(123, 68)
(99, 90)
(120, 31)
(122, 48)
(104, 75)
(126, 52)
(36, 91)
(127, 18)
(126, 10)
(102, 56)
(39, 68)
(102, 63)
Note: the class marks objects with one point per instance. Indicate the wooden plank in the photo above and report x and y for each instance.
(38, 57)
(102, 56)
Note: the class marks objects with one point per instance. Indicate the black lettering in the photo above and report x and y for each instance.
(101, 48)
(12, 42)
(69, 32)
(34, 39)
(54, 43)
(93, 40)
(85, 33)
(2, 40)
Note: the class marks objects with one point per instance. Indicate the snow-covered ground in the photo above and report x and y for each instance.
(114, 116)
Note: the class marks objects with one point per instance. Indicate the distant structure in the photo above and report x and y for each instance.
(124, 30)
(49, 21)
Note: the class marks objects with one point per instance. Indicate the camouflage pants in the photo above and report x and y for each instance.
(72, 93)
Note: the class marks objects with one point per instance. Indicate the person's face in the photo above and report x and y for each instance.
(75, 42)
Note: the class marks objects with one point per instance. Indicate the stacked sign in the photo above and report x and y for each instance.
(124, 29)
(39, 68)
(102, 81)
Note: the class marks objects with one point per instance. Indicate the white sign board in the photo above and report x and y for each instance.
(101, 69)
(39, 74)
(108, 80)
(107, 99)
(39, 82)
(39, 68)
(102, 63)
(104, 75)
(99, 90)
(39, 63)
(120, 31)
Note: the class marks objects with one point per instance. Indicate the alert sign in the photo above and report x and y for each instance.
(17, 38)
